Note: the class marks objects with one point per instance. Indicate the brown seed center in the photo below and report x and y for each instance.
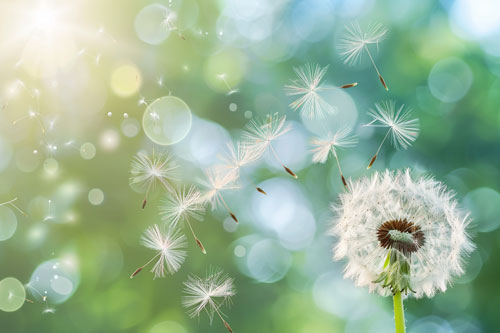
(402, 235)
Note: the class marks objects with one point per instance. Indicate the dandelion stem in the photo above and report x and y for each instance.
(227, 208)
(11, 202)
(279, 161)
(198, 242)
(138, 270)
(226, 324)
(340, 169)
(399, 315)
(376, 69)
(146, 196)
(374, 158)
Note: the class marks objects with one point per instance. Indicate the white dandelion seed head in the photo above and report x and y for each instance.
(260, 133)
(434, 257)
(208, 294)
(218, 179)
(169, 20)
(403, 128)
(169, 244)
(183, 205)
(157, 169)
(306, 88)
(342, 138)
(237, 156)
(355, 40)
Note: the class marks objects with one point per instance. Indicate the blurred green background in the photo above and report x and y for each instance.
(64, 62)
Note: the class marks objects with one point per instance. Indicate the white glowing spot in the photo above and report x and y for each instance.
(240, 251)
(109, 140)
(45, 19)
(96, 196)
(233, 107)
(35, 151)
(110, 114)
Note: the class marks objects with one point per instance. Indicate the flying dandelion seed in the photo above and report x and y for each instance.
(43, 297)
(343, 138)
(168, 244)
(237, 157)
(32, 115)
(169, 22)
(157, 169)
(13, 205)
(223, 78)
(218, 180)
(403, 130)
(182, 206)
(259, 135)
(307, 87)
(401, 234)
(209, 294)
(355, 41)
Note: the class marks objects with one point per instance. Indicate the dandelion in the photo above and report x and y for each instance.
(260, 134)
(237, 157)
(168, 244)
(182, 206)
(169, 22)
(401, 234)
(403, 130)
(218, 180)
(355, 41)
(43, 297)
(149, 171)
(223, 78)
(342, 138)
(13, 205)
(209, 295)
(307, 87)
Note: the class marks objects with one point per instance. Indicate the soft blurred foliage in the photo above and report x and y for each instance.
(64, 61)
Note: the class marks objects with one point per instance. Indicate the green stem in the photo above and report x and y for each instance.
(399, 314)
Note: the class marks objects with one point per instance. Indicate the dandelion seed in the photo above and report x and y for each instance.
(13, 205)
(403, 130)
(223, 77)
(209, 294)
(218, 180)
(342, 138)
(355, 41)
(169, 22)
(259, 135)
(237, 157)
(154, 170)
(401, 234)
(32, 114)
(42, 296)
(168, 243)
(307, 87)
(182, 206)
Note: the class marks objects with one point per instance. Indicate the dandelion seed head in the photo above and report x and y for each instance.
(393, 212)
(169, 244)
(306, 88)
(238, 155)
(156, 169)
(182, 205)
(404, 129)
(208, 294)
(342, 138)
(259, 133)
(355, 40)
(218, 180)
